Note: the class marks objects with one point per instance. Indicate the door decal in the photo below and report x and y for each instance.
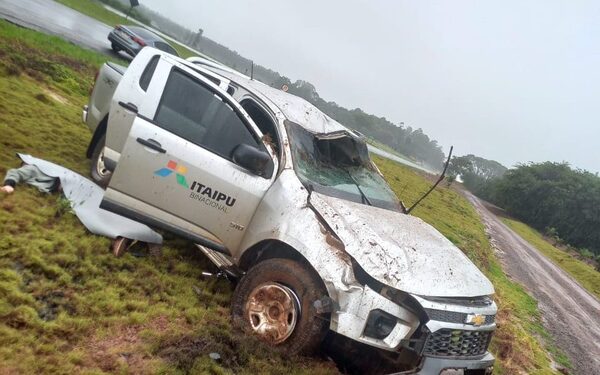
(211, 197)
(179, 170)
(205, 194)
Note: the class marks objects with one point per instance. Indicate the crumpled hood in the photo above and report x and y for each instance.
(402, 251)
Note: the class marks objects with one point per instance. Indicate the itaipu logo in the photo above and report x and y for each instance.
(179, 171)
(200, 192)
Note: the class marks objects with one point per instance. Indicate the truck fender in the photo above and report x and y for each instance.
(98, 133)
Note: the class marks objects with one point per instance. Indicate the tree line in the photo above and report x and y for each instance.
(554, 198)
(412, 143)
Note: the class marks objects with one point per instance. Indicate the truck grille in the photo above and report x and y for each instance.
(454, 317)
(457, 343)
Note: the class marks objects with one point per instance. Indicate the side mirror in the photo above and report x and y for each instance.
(256, 161)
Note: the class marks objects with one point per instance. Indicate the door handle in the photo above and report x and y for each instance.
(129, 106)
(151, 143)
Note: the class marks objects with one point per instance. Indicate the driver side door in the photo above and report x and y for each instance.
(177, 169)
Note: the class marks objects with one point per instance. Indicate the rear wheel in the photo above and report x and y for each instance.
(120, 245)
(275, 301)
(98, 170)
(115, 47)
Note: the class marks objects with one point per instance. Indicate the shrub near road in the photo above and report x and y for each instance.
(67, 305)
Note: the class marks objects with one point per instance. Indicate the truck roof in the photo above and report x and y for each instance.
(293, 107)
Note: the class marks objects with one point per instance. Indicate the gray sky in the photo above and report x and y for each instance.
(513, 81)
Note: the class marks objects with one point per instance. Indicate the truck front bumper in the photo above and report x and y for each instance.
(355, 306)
(442, 366)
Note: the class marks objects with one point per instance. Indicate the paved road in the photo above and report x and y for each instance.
(398, 159)
(569, 312)
(54, 18)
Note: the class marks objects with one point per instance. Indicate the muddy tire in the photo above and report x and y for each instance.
(120, 245)
(98, 170)
(275, 300)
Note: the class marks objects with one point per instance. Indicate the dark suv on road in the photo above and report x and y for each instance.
(132, 39)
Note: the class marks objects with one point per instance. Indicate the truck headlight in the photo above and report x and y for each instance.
(380, 324)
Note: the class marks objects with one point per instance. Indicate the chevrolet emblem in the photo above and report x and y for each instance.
(475, 319)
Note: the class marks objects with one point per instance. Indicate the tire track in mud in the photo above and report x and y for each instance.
(569, 312)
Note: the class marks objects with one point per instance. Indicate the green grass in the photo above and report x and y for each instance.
(585, 274)
(520, 344)
(66, 304)
(96, 10)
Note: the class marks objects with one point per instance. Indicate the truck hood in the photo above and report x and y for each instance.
(402, 251)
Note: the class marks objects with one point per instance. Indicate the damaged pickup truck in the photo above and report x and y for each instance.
(285, 198)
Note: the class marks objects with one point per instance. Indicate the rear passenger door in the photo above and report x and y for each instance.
(177, 171)
(126, 102)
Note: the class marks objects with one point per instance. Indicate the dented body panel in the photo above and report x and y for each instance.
(285, 216)
(402, 251)
(380, 267)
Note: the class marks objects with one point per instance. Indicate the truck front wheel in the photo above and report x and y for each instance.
(98, 170)
(276, 301)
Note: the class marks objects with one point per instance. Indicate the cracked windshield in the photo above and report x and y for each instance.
(338, 165)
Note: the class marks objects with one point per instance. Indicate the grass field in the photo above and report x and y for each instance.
(584, 273)
(96, 10)
(67, 305)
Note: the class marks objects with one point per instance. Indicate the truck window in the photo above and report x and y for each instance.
(262, 120)
(338, 165)
(148, 72)
(194, 112)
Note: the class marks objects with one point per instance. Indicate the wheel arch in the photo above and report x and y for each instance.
(272, 248)
(267, 249)
(98, 133)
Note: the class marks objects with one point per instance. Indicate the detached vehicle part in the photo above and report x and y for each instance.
(278, 194)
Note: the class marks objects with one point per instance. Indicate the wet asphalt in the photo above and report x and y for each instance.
(53, 18)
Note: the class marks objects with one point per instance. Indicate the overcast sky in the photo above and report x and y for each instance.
(513, 81)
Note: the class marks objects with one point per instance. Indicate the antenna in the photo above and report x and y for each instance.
(436, 183)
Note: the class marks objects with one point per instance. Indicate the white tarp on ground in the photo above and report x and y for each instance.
(85, 197)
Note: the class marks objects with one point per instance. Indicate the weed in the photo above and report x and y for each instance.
(63, 205)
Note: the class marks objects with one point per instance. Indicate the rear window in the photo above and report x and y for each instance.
(145, 34)
(165, 47)
(148, 73)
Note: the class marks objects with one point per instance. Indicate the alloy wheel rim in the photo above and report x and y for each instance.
(272, 310)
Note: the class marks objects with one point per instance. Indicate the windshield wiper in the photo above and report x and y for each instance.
(362, 193)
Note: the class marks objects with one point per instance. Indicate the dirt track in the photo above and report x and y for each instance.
(569, 312)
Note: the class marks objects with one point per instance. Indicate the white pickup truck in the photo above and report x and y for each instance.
(281, 196)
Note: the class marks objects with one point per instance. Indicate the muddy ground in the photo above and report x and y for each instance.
(569, 312)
